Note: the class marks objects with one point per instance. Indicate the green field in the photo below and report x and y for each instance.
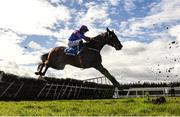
(111, 107)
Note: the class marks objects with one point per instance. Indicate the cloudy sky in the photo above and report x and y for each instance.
(148, 29)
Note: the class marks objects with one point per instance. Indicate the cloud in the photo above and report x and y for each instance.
(63, 36)
(144, 61)
(95, 14)
(139, 61)
(133, 47)
(13, 55)
(79, 1)
(20, 18)
(129, 5)
(13, 67)
(35, 46)
(31, 16)
(54, 1)
(165, 6)
(113, 2)
(162, 14)
(9, 47)
(175, 32)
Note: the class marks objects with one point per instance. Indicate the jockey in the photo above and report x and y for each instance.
(75, 40)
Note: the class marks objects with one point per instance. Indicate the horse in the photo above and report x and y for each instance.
(90, 57)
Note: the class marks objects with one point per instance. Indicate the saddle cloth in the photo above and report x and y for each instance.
(73, 51)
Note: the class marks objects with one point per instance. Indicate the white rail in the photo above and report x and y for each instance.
(152, 91)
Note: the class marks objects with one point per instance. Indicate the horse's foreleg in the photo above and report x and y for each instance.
(106, 73)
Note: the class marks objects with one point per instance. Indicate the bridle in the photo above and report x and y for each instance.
(109, 42)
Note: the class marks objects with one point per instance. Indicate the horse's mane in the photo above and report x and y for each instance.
(96, 41)
(98, 37)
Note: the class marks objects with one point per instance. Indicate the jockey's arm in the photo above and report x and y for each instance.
(87, 39)
(83, 37)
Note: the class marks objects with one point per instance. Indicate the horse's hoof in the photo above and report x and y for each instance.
(37, 73)
(118, 88)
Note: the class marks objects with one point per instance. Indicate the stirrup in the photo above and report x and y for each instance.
(80, 50)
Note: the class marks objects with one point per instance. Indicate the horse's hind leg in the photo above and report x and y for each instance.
(39, 69)
(41, 73)
(46, 68)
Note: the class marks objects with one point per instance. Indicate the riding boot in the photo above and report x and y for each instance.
(80, 44)
(80, 47)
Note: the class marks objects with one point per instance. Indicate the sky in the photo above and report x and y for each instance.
(148, 29)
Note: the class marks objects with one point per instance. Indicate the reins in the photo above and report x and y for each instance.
(96, 50)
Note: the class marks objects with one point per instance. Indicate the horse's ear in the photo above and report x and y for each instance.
(108, 30)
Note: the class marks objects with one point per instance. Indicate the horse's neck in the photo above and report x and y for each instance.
(99, 41)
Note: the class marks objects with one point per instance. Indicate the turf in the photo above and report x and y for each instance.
(110, 107)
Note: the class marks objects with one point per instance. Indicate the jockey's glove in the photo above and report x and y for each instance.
(88, 39)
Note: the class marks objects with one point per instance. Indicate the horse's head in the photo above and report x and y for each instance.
(112, 40)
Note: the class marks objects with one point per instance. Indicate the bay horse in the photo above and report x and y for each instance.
(89, 57)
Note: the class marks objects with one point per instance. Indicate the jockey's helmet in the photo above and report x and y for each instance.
(84, 28)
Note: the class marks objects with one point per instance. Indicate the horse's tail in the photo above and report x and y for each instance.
(44, 57)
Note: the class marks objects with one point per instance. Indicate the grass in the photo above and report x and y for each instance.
(111, 107)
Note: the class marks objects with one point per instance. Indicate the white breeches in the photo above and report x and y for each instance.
(74, 43)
